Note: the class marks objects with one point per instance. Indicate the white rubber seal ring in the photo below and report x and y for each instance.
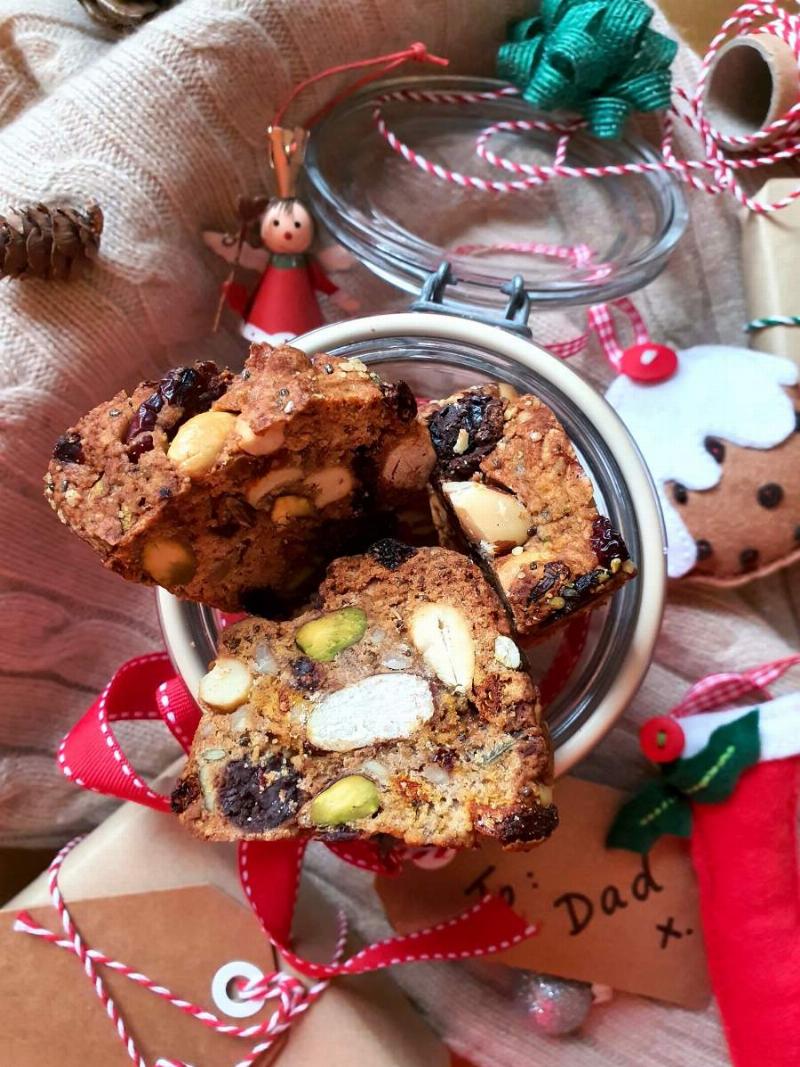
(220, 984)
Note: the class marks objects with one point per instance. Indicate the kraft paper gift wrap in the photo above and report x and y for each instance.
(145, 892)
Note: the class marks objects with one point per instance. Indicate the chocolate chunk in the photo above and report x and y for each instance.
(680, 493)
(69, 448)
(255, 799)
(184, 794)
(769, 495)
(307, 674)
(553, 573)
(748, 558)
(481, 418)
(797, 421)
(400, 398)
(704, 549)
(716, 448)
(606, 543)
(533, 824)
(391, 554)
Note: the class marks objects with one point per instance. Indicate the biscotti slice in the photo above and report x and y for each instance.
(235, 491)
(399, 707)
(510, 487)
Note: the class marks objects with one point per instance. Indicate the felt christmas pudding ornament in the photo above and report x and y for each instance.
(718, 429)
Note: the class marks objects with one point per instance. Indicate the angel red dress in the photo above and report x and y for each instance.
(284, 304)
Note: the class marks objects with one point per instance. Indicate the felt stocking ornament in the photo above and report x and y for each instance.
(717, 426)
(731, 779)
(284, 302)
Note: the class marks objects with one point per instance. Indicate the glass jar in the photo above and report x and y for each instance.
(438, 354)
(402, 222)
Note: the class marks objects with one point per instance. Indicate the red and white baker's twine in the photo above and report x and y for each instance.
(598, 316)
(715, 173)
(292, 996)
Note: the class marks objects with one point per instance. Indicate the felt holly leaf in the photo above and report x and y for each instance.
(658, 809)
(711, 775)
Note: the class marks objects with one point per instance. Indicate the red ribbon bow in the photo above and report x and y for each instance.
(146, 688)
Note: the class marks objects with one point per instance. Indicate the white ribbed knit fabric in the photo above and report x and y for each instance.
(164, 130)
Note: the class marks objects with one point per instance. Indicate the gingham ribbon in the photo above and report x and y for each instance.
(718, 690)
(715, 173)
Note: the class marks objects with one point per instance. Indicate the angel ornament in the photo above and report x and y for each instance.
(284, 303)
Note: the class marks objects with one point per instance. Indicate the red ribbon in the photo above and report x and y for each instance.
(146, 688)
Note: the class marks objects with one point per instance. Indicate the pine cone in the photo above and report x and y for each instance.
(48, 242)
(123, 15)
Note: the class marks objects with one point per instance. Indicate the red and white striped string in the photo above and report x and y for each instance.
(291, 994)
(715, 173)
(599, 317)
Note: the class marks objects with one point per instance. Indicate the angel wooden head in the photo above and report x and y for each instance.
(284, 302)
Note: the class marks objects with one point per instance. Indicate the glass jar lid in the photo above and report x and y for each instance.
(402, 222)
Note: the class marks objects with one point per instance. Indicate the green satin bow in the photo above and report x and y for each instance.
(598, 57)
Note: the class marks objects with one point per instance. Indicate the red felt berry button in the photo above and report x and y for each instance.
(649, 362)
(661, 739)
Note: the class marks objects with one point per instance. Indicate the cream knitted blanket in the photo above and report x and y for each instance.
(164, 130)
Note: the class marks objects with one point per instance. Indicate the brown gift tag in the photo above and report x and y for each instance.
(180, 938)
(606, 915)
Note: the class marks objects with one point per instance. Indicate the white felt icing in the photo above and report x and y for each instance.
(778, 723)
(730, 393)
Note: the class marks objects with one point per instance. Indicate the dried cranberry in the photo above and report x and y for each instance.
(185, 794)
(445, 757)
(606, 543)
(143, 443)
(553, 573)
(255, 799)
(193, 389)
(307, 674)
(480, 416)
(69, 448)
(400, 398)
(530, 824)
(391, 554)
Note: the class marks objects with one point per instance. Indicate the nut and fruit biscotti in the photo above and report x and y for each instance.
(399, 707)
(235, 491)
(511, 488)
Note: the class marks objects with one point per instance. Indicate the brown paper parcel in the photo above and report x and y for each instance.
(145, 892)
(606, 915)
